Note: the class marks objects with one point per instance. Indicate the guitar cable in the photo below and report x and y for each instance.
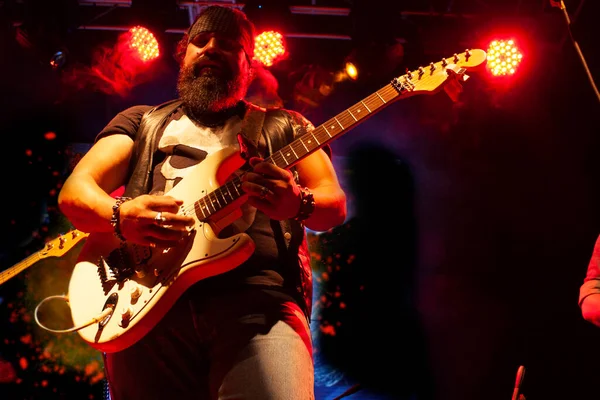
(104, 314)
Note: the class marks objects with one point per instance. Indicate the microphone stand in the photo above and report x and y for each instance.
(560, 4)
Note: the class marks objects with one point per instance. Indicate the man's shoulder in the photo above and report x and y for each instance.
(287, 113)
(170, 104)
(142, 108)
(137, 109)
(274, 110)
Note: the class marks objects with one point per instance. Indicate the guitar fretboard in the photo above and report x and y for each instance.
(55, 248)
(18, 267)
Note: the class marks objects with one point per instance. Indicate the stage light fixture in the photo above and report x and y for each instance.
(144, 42)
(503, 57)
(351, 70)
(269, 48)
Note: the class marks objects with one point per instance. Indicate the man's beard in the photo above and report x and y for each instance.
(210, 92)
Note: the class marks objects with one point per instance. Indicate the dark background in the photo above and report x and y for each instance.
(471, 224)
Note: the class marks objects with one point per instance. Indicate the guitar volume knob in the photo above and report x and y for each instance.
(126, 314)
(135, 291)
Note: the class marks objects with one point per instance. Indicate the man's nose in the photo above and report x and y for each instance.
(210, 46)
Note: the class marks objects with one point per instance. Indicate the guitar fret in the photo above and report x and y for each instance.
(298, 151)
(333, 127)
(199, 209)
(220, 192)
(352, 115)
(377, 93)
(284, 157)
(279, 158)
(226, 186)
(236, 186)
(292, 149)
(303, 144)
(317, 140)
(208, 205)
(214, 200)
(367, 107)
(336, 120)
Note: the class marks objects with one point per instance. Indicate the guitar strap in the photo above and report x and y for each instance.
(251, 130)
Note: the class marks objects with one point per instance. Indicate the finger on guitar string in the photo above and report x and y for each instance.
(257, 178)
(271, 171)
(177, 222)
(263, 205)
(159, 236)
(256, 190)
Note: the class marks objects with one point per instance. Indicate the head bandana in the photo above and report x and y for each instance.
(230, 22)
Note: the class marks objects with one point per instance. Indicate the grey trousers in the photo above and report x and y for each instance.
(246, 345)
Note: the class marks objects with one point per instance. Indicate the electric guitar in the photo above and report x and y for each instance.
(54, 248)
(119, 291)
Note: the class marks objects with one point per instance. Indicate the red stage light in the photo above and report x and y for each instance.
(270, 48)
(503, 57)
(50, 135)
(144, 42)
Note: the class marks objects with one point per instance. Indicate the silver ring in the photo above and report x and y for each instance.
(159, 219)
(263, 192)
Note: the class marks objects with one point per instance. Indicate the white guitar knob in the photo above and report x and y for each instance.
(126, 313)
(135, 291)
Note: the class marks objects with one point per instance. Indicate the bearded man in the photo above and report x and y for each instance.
(217, 303)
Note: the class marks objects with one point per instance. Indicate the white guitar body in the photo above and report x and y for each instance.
(161, 275)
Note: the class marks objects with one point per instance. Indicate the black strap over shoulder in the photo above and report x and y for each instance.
(252, 125)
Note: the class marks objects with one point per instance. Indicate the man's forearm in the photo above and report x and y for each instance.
(86, 205)
(330, 210)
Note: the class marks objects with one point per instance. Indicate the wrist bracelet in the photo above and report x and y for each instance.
(307, 205)
(115, 220)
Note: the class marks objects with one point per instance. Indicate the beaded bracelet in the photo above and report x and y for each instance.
(307, 205)
(115, 221)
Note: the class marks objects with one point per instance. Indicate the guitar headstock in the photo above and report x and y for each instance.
(433, 77)
(62, 244)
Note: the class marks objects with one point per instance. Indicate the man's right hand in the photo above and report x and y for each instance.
(155, 221)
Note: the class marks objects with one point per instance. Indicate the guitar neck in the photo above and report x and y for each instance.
(18, 267)
(325, 133)
(55, 248)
